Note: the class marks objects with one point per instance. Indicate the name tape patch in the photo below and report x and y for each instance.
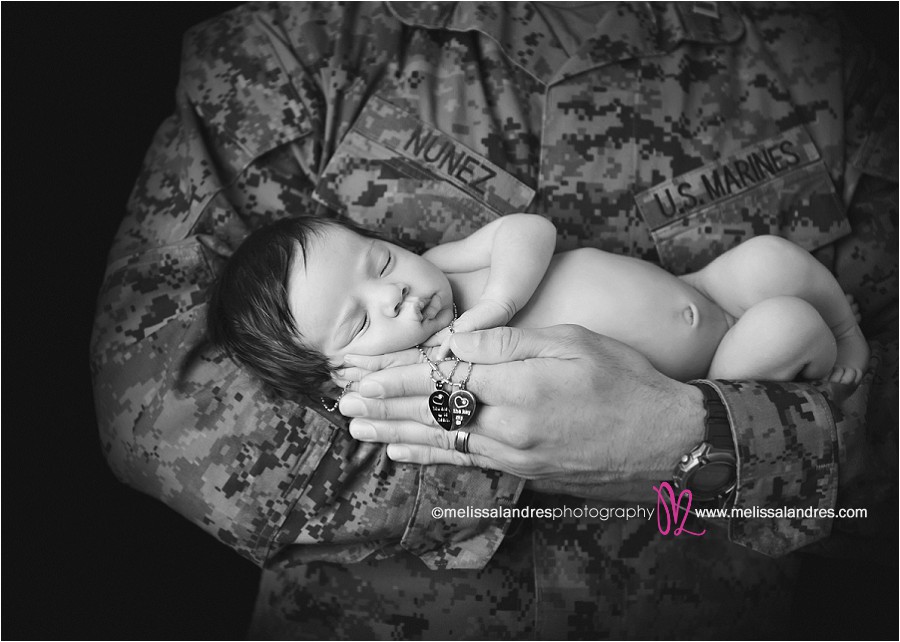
(447, 159)
(716, 182)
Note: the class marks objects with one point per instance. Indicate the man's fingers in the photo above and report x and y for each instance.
(343, 376)
(414, 443)
(496, 384)
(414, 408)
(409, 381)
(488, 420)
(414, 454)
(501, 345)
(492, 385)
(374, 424)
(381, 361)
(408, 432)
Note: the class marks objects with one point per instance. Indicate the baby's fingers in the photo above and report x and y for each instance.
(484, 315)
(438, 338)
(443, 350)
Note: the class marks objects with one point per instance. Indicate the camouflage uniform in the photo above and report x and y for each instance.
(671, 134)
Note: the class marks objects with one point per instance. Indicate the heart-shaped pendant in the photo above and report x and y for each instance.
(462, 408)
(437, 404)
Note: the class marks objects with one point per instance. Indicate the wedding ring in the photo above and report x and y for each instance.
(461, 442)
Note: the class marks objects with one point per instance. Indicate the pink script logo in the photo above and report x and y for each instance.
(664, 493)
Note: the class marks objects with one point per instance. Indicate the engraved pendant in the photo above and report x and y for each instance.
(462, 408)
(437, 404)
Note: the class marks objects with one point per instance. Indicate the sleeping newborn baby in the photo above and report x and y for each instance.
(300, 294)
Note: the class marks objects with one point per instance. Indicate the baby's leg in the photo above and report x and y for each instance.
(779, 339)
(765, 267)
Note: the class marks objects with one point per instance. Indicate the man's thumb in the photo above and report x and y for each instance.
(500, 345)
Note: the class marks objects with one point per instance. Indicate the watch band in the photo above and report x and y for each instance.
(718, 428)
(709, 471)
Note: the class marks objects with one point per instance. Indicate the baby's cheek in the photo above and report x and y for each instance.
(397, 338)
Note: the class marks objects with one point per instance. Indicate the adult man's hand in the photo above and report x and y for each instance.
(574, 411)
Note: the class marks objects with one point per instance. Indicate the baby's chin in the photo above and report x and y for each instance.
(428, 331)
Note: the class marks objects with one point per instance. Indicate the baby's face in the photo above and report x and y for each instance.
(356, 295)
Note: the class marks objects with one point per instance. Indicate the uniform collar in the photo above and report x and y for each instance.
(628, 30)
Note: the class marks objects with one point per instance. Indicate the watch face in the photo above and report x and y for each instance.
(712, 477)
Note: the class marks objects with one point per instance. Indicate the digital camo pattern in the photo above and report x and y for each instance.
(779, 186)
(268, 125)
(565, 579)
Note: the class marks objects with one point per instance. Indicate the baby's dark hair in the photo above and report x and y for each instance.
(249, 315)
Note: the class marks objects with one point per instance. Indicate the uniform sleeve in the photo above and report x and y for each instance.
(179, 421)
(822, 448)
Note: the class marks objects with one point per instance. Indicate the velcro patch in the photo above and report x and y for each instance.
(731, 177)
(395, 173)
(438, 156)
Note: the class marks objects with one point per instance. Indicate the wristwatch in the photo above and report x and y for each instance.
(709, 471)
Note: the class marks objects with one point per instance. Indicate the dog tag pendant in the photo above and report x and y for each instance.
(437, 404)
(462, 408)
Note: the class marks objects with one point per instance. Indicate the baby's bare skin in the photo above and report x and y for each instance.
(633, 301)
(765, 310)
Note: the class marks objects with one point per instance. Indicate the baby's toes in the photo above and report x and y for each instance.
(845, 375)
(854, 307)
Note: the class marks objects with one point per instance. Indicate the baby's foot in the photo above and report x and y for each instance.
(852, 357)
(854, 307)
(845, 374)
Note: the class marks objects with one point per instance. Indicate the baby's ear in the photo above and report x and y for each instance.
(333, 388)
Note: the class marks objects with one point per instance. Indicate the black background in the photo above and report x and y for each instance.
(84, 556)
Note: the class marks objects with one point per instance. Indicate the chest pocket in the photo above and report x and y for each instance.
(412, 182)
(778, 186)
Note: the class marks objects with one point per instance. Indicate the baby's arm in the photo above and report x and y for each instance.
(517, 248)
(768, 266)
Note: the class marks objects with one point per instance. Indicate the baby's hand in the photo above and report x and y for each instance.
(487, 313)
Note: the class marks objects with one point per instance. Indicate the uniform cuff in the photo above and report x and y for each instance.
(786, 464)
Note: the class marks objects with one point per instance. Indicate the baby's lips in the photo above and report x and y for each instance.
(416, 309)
(426, 308)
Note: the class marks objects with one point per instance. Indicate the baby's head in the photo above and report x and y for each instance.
(301, 293)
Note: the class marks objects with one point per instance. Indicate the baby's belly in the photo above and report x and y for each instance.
(632, 301)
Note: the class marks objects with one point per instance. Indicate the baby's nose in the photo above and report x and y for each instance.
(396, 298)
